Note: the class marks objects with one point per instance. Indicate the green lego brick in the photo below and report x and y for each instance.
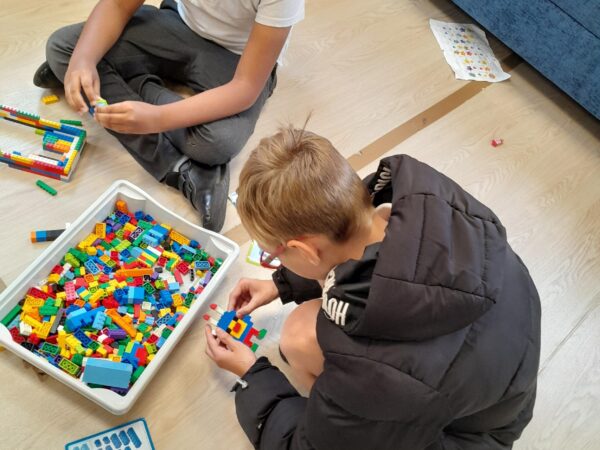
(50, 348)
(137, 373)
(11, 315)
(77, 123)
(49, 189)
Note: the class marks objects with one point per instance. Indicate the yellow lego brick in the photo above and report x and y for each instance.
(65, 353)
(129, 227)
(60, 296)
(28, 309)
(100, 229)
(179, 238)
(139, 337)
(50, 123)
(102, 351)
(91, 251)
(177, 300)
(164, 312)
(31, 321)
(96, 296)
(49, 99)
(44, 330)
(62, 339)
(53, 278)
(89, 352)
(93, 284)
(33, 301)
(88, 241)
(170, 255)
(150, 357)
(182, 309)
(21, 159)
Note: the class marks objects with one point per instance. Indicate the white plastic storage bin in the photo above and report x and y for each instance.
(215, 244)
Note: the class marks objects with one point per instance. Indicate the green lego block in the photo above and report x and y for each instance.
(137, 373)
(11, 315)
(50, 348)
(69, 366)
(77, 359)
(49, 189)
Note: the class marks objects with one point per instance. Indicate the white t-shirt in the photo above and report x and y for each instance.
(229, 22)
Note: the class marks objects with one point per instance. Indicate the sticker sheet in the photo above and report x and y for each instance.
(467, 51)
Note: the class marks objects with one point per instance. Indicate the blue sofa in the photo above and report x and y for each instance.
(560, 38)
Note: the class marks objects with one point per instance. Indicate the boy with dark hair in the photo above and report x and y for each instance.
(226, 52)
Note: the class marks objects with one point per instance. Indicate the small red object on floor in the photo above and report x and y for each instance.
(496, 142)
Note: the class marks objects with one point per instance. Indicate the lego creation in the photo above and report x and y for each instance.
(61, 146)
(241, 329)
(99, 103)
(111, 302)
(131, 435)
(45, 235)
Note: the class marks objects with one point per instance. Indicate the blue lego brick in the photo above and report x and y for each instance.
(81, 336)
(107, 373)
(202, 265)
(91, 267)
(99, 320)
(75, 319)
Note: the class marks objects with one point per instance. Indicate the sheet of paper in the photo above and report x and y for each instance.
(253, 256)
(467, 51)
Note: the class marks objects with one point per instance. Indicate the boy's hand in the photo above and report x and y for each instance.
(250, 294)
(229, 354)
(130, 117)
(81, 76)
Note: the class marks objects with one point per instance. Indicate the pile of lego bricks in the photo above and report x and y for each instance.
(108, 307)
(62, 144)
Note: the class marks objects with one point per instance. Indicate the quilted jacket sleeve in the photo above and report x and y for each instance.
(294, 288)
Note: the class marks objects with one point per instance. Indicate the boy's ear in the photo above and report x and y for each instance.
(308, 249)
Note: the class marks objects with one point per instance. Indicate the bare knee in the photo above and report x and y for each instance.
(299, 334)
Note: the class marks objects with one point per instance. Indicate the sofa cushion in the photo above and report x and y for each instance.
(586, 12)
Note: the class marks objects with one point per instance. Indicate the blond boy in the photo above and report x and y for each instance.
(418, 326)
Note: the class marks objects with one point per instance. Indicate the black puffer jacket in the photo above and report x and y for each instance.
(431, 341)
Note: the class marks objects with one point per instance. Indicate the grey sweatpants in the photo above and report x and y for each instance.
(157, 44)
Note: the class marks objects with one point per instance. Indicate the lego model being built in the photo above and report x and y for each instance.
(241, 329)
(61, 145)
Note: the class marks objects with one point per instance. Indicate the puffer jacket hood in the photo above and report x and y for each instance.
(432, 274)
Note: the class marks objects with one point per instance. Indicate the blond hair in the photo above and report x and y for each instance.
(296, 183)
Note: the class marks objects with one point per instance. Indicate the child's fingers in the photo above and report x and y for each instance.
(225, 338)
(245, 310)
(74, 97)
(234, 296)
(88, 88)
(109, 120)
(211, 343)
(96, 87)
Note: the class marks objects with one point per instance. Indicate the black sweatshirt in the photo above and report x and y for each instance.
(431, 340)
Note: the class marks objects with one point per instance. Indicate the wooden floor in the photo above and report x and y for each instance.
(376, 82)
